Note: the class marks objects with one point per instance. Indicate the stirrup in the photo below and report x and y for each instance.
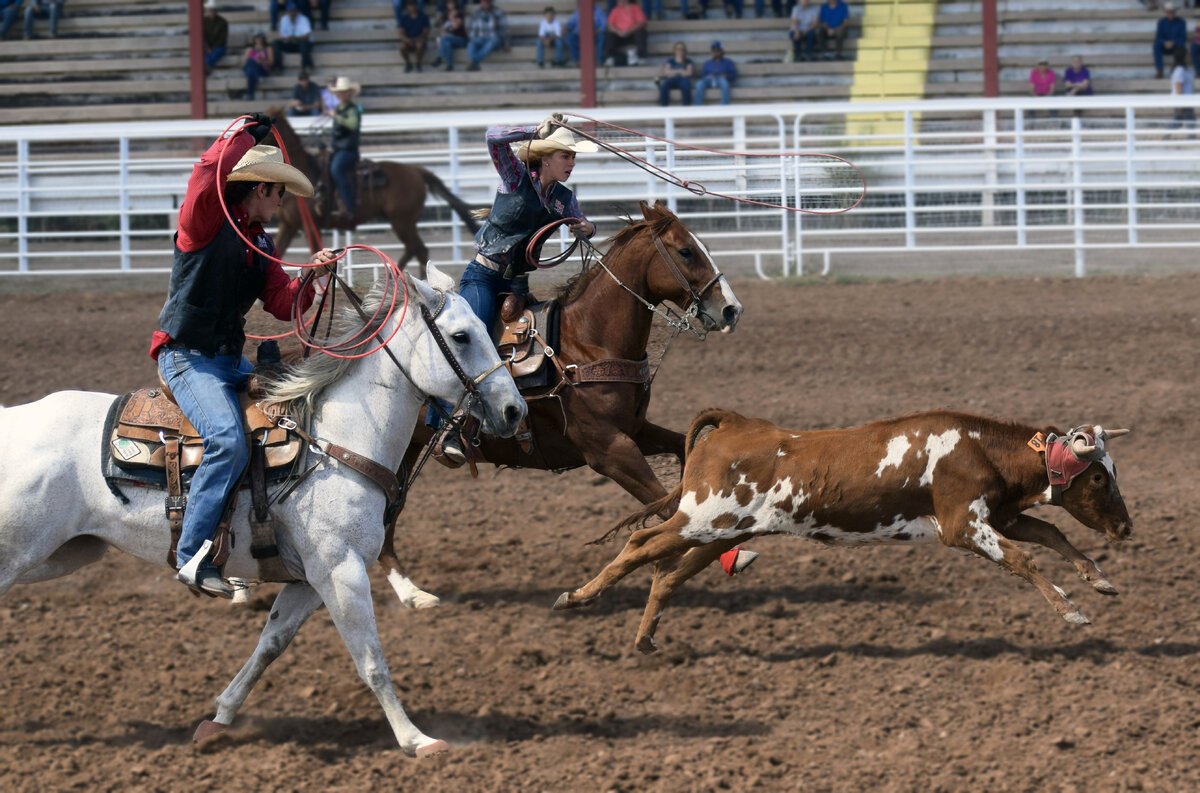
(450, 451)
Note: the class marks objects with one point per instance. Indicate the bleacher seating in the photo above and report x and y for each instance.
(127, 59)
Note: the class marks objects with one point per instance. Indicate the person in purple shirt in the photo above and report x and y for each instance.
(717, 71)
(531, 194)
(1170, 36)
(833, 22)
(1077, 80)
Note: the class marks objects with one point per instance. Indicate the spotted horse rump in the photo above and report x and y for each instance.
(959, 479)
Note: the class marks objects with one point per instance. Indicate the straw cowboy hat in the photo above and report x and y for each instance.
(265, 164)
(345, 84)
(560, 140)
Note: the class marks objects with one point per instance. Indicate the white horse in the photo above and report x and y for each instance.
(57, 513)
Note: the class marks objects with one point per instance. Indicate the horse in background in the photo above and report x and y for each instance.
(399, 199)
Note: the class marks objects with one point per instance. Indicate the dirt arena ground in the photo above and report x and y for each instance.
(880, 669)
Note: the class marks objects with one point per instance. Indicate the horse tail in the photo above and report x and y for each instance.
(460, 207)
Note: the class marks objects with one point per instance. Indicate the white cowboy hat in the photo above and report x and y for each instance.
(265, 164)
(345, 84)
(560, 140)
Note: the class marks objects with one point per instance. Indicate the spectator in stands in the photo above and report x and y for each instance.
(1169, 37)
(278, 7)
(329, 100)
(804, 31)
(347, 125)
(599, 22)
(44, 9)
(1194, 50)
(1042, 80)
(1077, 80)
(776, 7)
(323, 5)
(306, 97)
(8, 15)
(550, 33)
(626, 30)
(454, 36)
(216, 36)
(677, 73)
(295, 35)
(487, 31)
(257, 63)
(1183, 84)
(833, 22)
(413, 27)
(733, 8)
(717, 71)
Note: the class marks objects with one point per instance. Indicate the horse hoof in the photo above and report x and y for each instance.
(422, 600)
(563, 602)
(430, 749)
(207, 730)
(646, 645)
(1077, 618)
(1104, 587)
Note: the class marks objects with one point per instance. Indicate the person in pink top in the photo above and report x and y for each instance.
(1041, 83)
(626, 30)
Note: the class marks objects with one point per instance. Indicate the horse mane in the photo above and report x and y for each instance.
(577, 284)
(295, 392)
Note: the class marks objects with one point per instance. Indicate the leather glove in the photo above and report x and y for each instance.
(259, 126)
(547, 127)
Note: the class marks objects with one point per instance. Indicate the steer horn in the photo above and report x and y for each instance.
(1079, 446)
(1108, 435)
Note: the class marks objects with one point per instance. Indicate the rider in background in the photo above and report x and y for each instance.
(347, 125)
(531, 195)
(215, 279)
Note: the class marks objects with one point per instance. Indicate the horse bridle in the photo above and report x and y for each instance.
(694, 297)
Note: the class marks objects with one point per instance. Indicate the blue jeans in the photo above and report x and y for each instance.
(652, 8)
(10, 16)
(206, 391)
(254, 71)
(447, 44)
(210, 60)
(802, 47)
(708, 82)
(776, 6)
(481, 288)
(478, 49)
(560, 55)
(341, 165)
(573, 45)
(684, 84)
(52, 11)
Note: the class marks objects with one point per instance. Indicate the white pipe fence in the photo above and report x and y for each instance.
(949, 182)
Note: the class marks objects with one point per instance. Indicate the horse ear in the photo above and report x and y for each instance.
(647, 210)
(437, 279)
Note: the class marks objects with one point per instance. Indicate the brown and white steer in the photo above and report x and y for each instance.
(961, 479)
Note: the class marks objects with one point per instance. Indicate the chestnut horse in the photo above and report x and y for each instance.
(400, 200)
(603, 424)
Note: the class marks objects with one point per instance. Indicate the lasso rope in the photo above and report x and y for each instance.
(350, 345)
(697, 188)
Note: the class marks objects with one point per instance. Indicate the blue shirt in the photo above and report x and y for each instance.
(719, 68)
(599, 20)
(833, 17)
(1171, 30)
(414, 27)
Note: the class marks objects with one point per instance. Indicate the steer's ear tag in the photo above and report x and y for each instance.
(1038, 442)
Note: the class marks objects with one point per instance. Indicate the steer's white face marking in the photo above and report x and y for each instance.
(896, 449)
(985, 538)
(937, 447)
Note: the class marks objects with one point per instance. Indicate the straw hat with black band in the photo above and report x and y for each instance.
(265, 164)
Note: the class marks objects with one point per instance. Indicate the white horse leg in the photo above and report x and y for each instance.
(294, 604)
(347, 594)
(411, 596)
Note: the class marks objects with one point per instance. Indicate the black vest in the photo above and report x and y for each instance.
(516, 216)
(212, 289)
